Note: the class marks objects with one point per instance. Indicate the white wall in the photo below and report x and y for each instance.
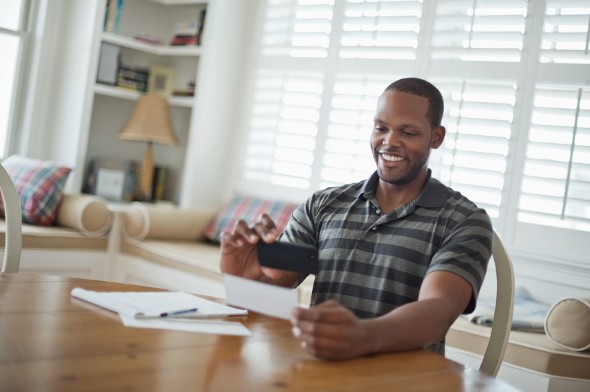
(62, 68)
(210, 167)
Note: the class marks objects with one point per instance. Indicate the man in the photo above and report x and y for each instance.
(401, 256)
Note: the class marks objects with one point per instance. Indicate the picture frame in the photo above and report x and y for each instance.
(112, 179)
(161, 80)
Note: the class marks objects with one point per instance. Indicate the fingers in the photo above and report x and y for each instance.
(238, 251)
(327, 331)
(242, 234)
(265, 228)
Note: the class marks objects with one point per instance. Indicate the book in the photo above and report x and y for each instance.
(113, 15)
(159, 183)
(157, 304)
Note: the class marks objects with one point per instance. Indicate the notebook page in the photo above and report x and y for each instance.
(134, 304)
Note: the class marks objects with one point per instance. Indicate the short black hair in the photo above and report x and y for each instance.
(422, 88)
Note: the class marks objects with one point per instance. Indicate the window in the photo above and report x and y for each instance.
(514, 75)
(12, 36)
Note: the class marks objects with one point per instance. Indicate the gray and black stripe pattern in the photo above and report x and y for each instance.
(372, 263)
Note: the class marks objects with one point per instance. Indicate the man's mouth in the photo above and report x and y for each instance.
(391, 158)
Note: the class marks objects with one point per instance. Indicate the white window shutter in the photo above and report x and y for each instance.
(478, 119)
(479, 30)
(324, 63)
(556, 180)
(566, 33)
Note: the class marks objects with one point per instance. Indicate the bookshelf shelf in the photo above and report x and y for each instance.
(180, 2)
(118, 92)
(159, 50)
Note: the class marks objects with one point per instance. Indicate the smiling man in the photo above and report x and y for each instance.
(400, 255)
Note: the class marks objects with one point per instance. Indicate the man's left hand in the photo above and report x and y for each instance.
(330, 331)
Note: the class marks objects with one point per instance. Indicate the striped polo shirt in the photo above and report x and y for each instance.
(372, 262)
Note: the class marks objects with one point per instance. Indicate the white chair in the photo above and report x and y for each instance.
(13, 219)
(494, 353)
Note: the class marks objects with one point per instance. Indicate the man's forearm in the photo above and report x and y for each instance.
(410, 327)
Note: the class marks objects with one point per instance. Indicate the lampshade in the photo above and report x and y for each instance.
(150, 121)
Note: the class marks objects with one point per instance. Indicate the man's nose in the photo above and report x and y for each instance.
(390, 139)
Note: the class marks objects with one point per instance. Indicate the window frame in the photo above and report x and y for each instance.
(23, 32)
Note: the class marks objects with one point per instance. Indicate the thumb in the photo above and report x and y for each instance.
(272, 273)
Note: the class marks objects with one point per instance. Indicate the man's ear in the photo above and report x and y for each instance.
(438, 136)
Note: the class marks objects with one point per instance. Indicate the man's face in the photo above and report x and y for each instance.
(402, 137)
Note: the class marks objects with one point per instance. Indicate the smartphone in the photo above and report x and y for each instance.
(286, 256)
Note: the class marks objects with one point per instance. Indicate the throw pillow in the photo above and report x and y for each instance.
(248, 208)
(40, 186)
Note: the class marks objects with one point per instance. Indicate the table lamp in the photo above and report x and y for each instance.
(149, 122)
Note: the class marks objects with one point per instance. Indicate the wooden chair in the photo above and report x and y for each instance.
(494, 354)
(13, 219)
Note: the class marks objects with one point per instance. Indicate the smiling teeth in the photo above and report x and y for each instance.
(391, 158)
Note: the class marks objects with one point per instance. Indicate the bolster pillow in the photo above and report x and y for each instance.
(142, 220)
(87, 213)
(568, 323)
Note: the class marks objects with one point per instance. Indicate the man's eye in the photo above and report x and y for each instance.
(409, 133)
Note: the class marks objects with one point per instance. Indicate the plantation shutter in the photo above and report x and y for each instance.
(556, 180)
(514, 77)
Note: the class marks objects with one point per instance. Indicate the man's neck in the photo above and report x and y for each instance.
(392, 196)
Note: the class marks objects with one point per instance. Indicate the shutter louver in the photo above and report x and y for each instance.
(348, 155)
(283, 128)
(297, 28)
(479, 30)
(381, 30)
(556, 184)
(566, 32)
(478, 119)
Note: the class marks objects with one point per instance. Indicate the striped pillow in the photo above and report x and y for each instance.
(248, 208)
(40, 186)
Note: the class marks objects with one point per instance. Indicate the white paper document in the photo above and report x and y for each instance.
(177, 311)
(157, 304)
(189, 325)
(260, 297)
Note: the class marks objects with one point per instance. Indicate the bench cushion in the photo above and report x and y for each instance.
(189, 256)
(532, 351)
(54, 237)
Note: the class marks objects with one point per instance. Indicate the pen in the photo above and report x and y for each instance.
(165, 314)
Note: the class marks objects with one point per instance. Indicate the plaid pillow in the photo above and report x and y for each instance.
(40, 187)
(248, 208)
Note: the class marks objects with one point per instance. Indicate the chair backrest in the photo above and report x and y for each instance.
(494, 354)
(13, 219)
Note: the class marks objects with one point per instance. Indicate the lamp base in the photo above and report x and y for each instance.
(146, 176)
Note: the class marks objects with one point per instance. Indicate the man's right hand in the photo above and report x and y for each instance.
(238, 252)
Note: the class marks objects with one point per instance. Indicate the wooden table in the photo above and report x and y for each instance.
(50, 341)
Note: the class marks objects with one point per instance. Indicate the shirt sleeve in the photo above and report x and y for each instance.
(465, 251)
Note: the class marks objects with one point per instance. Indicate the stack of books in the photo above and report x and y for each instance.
(189, 33)
(133, 78)
(186, 33)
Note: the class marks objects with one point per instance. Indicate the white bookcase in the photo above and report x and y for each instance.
(111, 106)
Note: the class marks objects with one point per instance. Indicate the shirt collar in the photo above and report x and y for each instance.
(434, 194)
